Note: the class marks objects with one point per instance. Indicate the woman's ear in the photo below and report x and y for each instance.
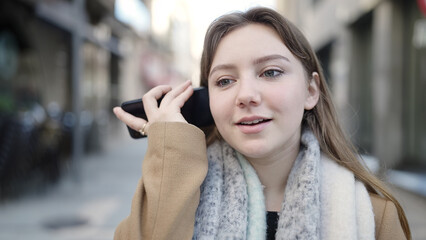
(313, 91)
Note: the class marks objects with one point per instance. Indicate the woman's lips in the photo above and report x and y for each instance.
(253, 126)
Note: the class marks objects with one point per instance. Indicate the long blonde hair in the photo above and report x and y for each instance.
(322, 119)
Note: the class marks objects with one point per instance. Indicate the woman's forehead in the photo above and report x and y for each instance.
(252, 40)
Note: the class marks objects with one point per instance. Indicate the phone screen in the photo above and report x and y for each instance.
(196, 110)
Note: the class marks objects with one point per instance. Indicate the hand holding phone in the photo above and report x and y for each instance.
(196, 110)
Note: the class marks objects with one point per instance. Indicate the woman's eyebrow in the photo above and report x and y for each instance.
(269, 58)
(222, 67)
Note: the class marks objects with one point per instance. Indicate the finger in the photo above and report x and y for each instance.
(170, 96)
(184, 96)
(130, 120)
(150, 99)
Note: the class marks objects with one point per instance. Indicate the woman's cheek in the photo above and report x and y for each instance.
(220, 107)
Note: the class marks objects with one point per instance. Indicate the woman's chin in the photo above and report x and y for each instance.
(253, 151)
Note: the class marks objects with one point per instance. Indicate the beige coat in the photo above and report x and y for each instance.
(168, 193)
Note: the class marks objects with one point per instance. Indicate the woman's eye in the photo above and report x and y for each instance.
(224, 82)
(271, 73)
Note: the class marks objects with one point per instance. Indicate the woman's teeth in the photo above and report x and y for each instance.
(252, 122)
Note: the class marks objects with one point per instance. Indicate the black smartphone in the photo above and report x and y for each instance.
(196, 110)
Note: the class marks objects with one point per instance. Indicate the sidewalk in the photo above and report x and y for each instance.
(91, 207)
(84, 208)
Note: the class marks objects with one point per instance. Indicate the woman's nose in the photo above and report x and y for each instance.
(248, 94)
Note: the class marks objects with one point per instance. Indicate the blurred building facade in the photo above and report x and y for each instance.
(63, 66)
(172, 28)
(374, 55)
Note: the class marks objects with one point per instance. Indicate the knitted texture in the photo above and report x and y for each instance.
(256, 227)
(222, 212)
(346, 209)
(322, 199)
(300, 215)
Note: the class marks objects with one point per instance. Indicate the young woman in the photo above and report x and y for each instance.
(277, 164)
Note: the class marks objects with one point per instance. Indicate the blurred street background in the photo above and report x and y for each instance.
(68, 168)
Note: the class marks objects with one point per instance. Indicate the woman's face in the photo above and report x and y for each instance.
(258, 92)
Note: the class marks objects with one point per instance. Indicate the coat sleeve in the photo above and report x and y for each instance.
(388, 226)
(168, 193)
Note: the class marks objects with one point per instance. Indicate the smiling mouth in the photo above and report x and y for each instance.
(254, 122)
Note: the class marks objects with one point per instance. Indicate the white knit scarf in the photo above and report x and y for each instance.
(322, 199)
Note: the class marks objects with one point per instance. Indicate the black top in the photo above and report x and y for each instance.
(271, 223)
